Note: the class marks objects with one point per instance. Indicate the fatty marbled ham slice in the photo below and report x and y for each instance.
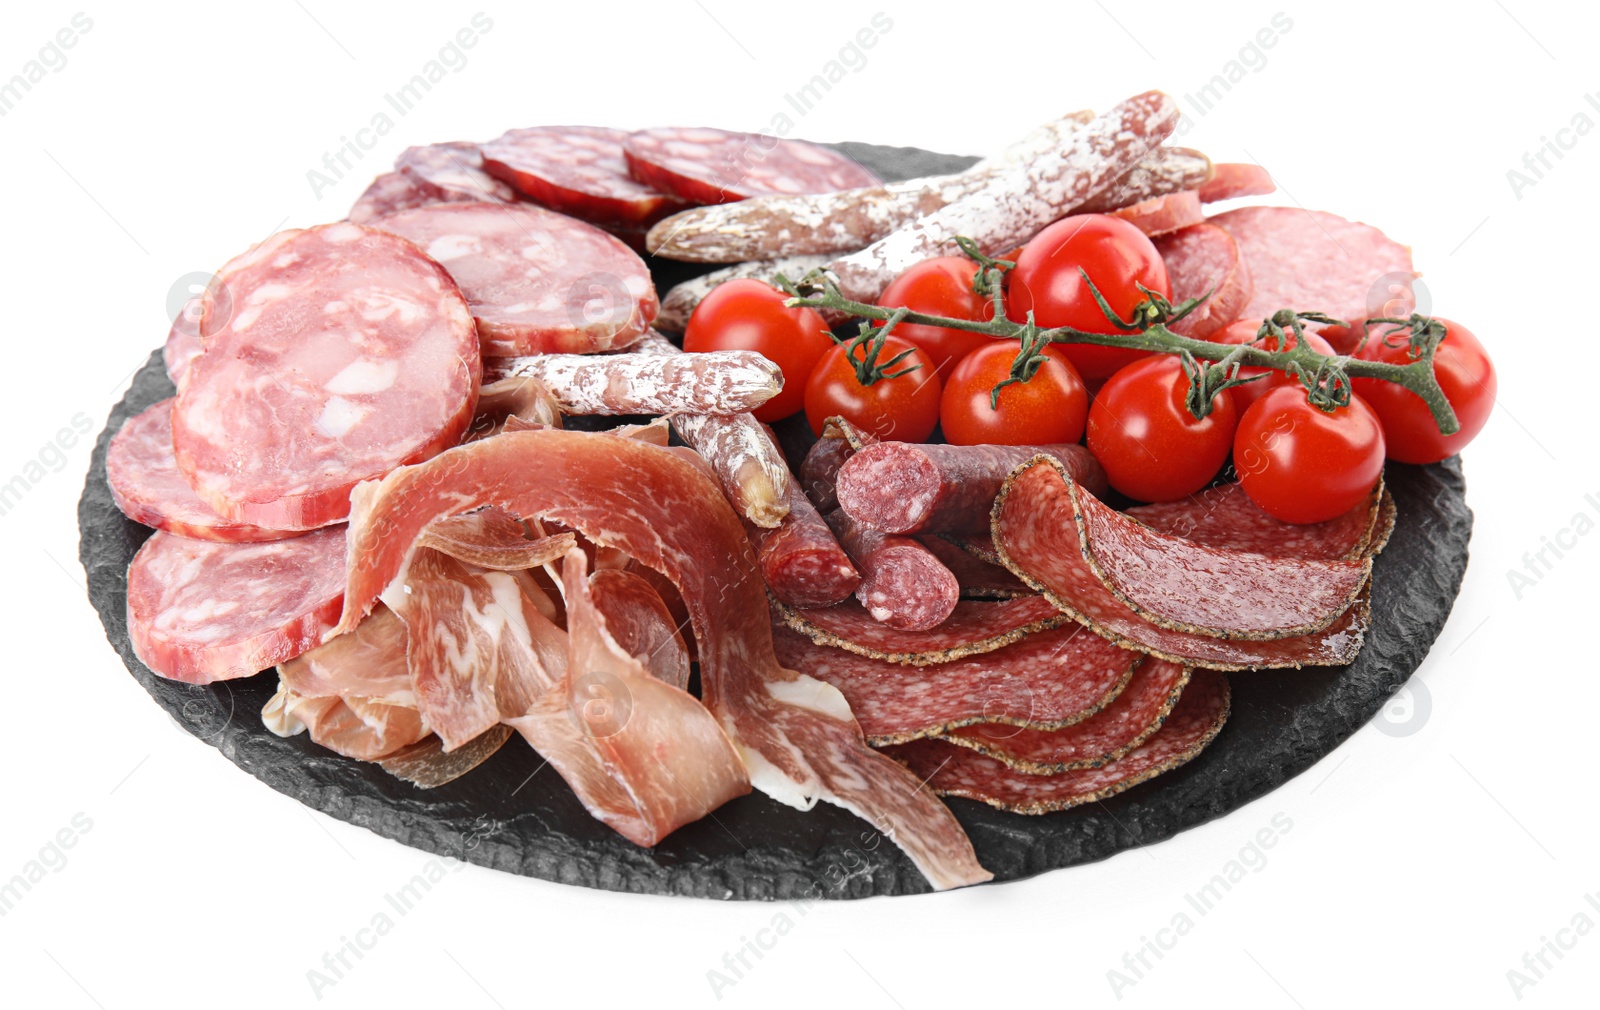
(343, 353)
(537, 282)
(147, 487)
(1131, 719)
(353, 727)
(1050, 679)
(1036, 534)
(973, 627)
(638, 620)
(957, 771)
(795, 733)
(201, 611)
(1224, 516)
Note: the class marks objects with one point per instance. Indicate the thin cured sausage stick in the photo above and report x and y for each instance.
(718, 382)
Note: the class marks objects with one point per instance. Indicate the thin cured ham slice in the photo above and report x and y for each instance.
(495, 539)
(537, 282)
(972, 628)
(147, 487)
(358, 728)
(520, 403)
(638, 620)
(279, 418)
(578, 170)
(1224, 516)
(1051, 679)
(795, 733)
(426, 765)
(201, 611)
(956, 771)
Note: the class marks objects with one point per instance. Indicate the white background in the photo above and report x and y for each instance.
(1422, 862)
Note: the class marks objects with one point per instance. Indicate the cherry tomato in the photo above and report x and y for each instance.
(1152, 447)
(1303, 464)
(747, 315)
(1467, 377)
(1117, 257)
(1243, 331)
(940, 287)
(904, 408)
(1048, 409)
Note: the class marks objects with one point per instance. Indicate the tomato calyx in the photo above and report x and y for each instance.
(1423, 334)
(1030, 357)
(1207, 381)
(870, 343)
(1156, 309)
(988, 282)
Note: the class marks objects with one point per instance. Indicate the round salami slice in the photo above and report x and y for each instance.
(390, 193)
(1163, 214)
(1232, 179)
(537, 282)
(147, 487)
(454, 170)
(183, 342)
(703, 165)
(1200, 259)
(346, 353)
(201, 611)
(578, 170)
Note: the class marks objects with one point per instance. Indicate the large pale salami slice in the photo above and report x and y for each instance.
(201, 611)
(903, 584)
(577, 170)
(279, 418)
(454, 172)
(147, 487)
(1136, 714)
(537, 282)
(956, 771)
(1313, 261)
(1224, 516)
(972, 628)
(183, 341)
(1052, 679)
(1205, 260)
(704, 165)
(393, 192)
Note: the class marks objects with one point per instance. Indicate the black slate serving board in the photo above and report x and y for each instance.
(516, 815)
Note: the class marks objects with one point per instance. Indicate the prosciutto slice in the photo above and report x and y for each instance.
(494, 538)
(796, 734)
(640, 623)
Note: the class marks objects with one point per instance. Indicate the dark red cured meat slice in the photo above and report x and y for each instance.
(1053, 678)
(276, 422)
(1224, 516)
(903, 584)
(1313, 261)
(393, 192)
(537, 282)
(973, 627)
(578, 170)
(147, 487)
(1161, 214)
(800, 558)
(704, 165)
(1201, 260)
(1035, 532)
(454, 170)
(956, 771)
(1231, 179)
(201, 611)
(638, 619)
(979, 579)
(1136, 714)
(900, 487)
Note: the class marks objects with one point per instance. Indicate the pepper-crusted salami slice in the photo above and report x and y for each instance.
(1051, 679)
(147, 487)
(1135, 716)
(1232, 179)
(1036, 534)
(704, 165)
(1200, 260)
(280, 417)
(454, 171)
(902, 487)
(391, 193)
(201, 611)
(979, 579)
(715, 382)
(1163, 214)
(1224, 516)
(972, 628)
(903, 584)
(953, 771)
(537, 281)
(578, 170)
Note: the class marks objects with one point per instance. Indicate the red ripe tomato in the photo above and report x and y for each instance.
(1140, 429)
(1467, 377)
(747, 315)
(1116, 256)
(904, 408)
(1303, 464)
(1048, 409)
(940, 287)
(1244, 331)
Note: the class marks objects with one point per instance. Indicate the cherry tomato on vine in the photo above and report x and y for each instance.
(1142, 432)
(1466, 375)
(747, 315)
(1303, 464)
(1049, 408)
(1243, 331)
(903, 405)
(940, 287)
(1117, 257)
